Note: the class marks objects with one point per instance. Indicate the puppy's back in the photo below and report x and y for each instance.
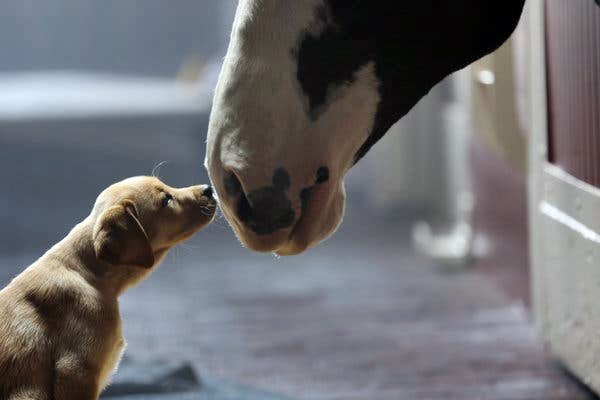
(36, 310)
(24, 361)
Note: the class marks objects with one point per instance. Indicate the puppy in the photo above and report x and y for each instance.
(60, 328)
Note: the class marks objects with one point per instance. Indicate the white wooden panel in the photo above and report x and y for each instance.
(564, 237)
(569, 244)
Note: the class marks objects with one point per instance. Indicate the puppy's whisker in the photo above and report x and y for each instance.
(173, 257)
(219, 221)
(206, 211)
(156, 169)
(189, 246)
(188, 250)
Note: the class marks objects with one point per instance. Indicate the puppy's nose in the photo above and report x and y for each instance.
(207, 191)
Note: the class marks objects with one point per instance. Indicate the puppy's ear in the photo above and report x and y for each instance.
(119, 238)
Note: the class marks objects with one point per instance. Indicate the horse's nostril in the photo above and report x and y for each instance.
(232, 184)
(244, 210)
(322, 175)
(305, 196)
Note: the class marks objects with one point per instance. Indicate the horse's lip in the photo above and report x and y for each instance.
(285, 249)
(289, 251)
(276, 243)
(261, 243)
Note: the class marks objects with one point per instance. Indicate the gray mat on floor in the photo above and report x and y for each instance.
(160, 380)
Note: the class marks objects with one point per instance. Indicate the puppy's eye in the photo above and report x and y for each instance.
(167, 200)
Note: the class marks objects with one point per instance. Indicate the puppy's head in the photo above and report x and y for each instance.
(136, 221)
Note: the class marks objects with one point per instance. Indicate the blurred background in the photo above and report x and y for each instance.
(423, 292)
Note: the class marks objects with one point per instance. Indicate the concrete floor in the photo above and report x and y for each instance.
(360, 317)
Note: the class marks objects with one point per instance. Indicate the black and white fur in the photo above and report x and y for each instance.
(309, 86)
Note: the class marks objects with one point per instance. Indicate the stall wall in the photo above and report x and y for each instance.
(573, 71)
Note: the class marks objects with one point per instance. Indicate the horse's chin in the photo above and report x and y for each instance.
(305, 234)
(296, 243)
(289, 246)
(282, 243)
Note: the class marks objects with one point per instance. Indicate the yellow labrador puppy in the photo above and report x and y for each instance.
(60, 328)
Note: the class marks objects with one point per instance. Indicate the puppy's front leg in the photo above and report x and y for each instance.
(71, 388)
(75, 380)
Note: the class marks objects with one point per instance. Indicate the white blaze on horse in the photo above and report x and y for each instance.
(308, 86)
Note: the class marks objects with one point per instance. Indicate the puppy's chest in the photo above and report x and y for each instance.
(96, 335)
(114, 348)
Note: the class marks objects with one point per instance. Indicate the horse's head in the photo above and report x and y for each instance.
(308, 86)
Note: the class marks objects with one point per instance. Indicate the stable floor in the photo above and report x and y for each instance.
(359, 317)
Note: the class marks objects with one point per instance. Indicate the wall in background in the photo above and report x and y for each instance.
(149, 37)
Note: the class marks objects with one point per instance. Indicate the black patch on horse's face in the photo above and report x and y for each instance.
(321, 177)
(328, 60)
(414, 45)
(268, 209)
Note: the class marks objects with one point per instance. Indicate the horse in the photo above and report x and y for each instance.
(307, 87)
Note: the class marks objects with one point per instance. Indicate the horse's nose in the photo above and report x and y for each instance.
(266, 209)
